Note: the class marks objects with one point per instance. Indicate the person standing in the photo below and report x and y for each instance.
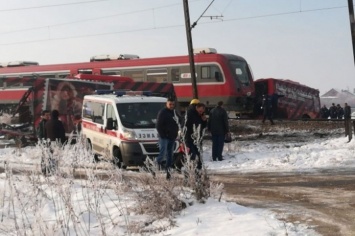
(218, 126)
(347, 119)
(41, 130)
(55, 132)
(340, 112)
(55, 129)
(324, 112)
(195, 123)
(267, 109)
(333, 111)
(167, 127)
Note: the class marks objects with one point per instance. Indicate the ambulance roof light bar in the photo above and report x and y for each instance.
(120, 93)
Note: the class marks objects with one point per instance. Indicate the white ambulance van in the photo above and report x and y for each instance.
(120, 126)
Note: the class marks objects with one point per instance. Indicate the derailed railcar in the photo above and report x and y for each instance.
(25, 98)
(290, 99)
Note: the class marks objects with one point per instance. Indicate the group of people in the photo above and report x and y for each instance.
(52, 129)
(335, 111)
(195, 122)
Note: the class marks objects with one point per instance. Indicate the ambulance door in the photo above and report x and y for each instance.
(98, 117)
(110, 127)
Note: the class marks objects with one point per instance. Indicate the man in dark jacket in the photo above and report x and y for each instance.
(267, 108)
(195, 123)
(347, 118)
(218, 126)
(41, 131)
(167, 127)
(333, 111)
(55, 129)
(55, 132)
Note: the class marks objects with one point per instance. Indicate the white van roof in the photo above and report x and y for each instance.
(124, 98)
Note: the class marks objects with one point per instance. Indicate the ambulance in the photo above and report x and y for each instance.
(119, 126)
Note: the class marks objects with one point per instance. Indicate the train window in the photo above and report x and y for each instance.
(136, 75)
(211, 73)
(175, 74)
(242, 72)
(85, 71)
(111, 72)
(157, 75)
(206, 72)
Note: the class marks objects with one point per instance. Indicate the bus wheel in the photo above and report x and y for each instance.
(96, 157)
(117, 158)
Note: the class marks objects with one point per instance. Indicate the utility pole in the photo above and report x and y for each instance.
(352, 24)
(190, 48)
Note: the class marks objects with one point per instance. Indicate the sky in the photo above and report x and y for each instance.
(308, 41)
(43, 207)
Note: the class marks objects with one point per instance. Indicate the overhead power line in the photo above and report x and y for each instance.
(87, 20)
(54, 5)
(172, 26)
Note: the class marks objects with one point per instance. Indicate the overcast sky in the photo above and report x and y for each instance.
(308, 41)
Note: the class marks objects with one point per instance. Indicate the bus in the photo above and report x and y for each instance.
(291, 100)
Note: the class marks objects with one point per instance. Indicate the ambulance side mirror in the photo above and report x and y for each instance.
(109, 124)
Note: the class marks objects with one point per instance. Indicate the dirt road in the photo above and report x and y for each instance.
(324, 200)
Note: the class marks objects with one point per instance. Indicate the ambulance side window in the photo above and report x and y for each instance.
(98, 112)
(111, 115)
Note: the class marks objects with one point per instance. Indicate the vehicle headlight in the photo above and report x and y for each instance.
(129, 134)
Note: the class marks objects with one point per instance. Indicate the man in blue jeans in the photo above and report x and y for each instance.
(167, 127)
(218, 126)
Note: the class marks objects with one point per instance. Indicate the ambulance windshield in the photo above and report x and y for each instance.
(139, 115)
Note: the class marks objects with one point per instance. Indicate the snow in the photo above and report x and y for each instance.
(211, 218)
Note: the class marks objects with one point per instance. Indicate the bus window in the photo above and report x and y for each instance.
(175, 74)
(136, 75)
(157, 75)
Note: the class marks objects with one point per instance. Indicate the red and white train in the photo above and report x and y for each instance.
(220, 77)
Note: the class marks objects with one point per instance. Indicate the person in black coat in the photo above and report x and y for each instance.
(267, 109)
(168, 128)
(41, 130)
(55, 129)
(347, 119)
(195, 120)
(218, 126)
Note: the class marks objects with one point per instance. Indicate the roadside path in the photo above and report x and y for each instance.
(323, 200)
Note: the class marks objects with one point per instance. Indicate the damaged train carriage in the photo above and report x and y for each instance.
(25, 98)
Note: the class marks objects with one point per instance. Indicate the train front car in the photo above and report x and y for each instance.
(242, 87)
(231, 82)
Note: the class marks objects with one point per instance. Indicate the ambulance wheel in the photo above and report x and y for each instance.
(117, 158)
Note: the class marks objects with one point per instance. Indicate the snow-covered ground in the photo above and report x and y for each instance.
(210, 218)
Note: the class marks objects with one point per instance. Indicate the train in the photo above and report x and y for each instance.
(220, 77)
